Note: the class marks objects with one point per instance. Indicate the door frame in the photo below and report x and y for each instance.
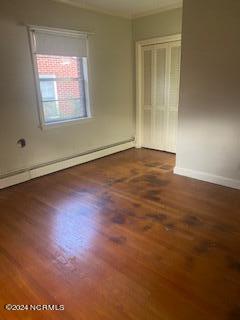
(139, 45)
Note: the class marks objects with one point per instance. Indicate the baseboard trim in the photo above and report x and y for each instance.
(204, 176)
(60, 165)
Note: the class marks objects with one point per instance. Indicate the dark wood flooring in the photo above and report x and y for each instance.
(121, 238)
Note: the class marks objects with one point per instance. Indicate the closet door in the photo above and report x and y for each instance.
(160, 95)
(174, 54)
(147, 96)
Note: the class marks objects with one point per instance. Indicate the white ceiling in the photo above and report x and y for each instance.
(126, 8)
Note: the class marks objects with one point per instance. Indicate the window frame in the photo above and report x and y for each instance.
(71, 33)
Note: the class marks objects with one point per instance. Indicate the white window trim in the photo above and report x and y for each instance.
(71, 33)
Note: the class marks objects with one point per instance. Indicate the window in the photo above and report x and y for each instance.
(63, 96)
(60, 62)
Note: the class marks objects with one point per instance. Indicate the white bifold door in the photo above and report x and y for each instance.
(160, 95)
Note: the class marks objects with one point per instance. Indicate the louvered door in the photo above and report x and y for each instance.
(148, 98)
(160, 90)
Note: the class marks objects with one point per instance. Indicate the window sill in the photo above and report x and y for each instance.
(46, 126)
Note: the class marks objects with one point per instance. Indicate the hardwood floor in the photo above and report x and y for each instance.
(121, 238)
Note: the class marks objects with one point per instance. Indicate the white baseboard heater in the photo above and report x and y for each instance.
(50, 167)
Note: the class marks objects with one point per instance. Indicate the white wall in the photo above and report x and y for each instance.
(209, 112)
(110, 72)
(158, 25)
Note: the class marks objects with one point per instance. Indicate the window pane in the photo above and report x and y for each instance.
(70, 88)
(51, 111)
(47, 90)
(62, 86)
(63, 110)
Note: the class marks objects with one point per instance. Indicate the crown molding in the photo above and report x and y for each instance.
(94, 9)
(129, 16)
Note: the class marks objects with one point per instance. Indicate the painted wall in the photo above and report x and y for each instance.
(209, 115)
(111, 84)
(158, 25)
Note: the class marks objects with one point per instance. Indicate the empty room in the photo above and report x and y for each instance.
(120, 160)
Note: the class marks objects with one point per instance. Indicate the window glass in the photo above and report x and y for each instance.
(62, 86)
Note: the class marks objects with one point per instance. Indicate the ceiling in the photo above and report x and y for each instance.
(126, 8)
